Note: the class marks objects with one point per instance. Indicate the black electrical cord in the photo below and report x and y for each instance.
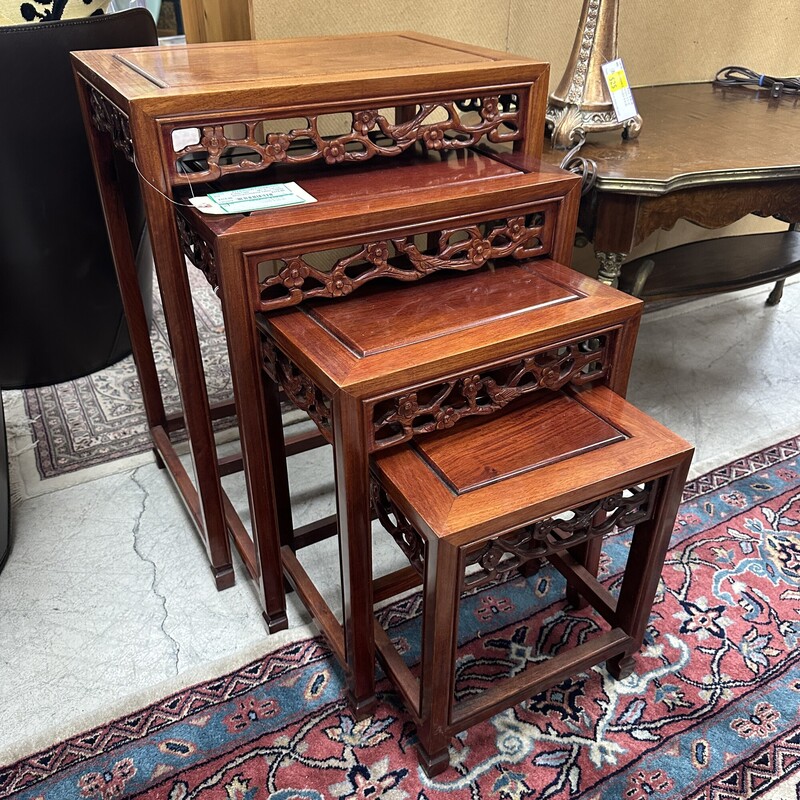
(585, 167)
(742, 76)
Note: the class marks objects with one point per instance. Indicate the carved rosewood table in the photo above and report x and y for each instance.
(707, 154)
(390, 366)
(471, 506)
(190, 115)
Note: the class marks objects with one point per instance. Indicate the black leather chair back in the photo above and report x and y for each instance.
(60, 312)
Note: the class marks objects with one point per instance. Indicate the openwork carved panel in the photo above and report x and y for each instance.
(371, 134)
(439, 406)
(298, 387)
(406, 536)
(512, 550)
(718, 206)
(198, 251)
(107, 118)
(520, 237)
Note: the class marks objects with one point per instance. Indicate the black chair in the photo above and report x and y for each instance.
(61, 315)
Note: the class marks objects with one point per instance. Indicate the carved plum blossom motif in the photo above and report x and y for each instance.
(403, 260)
(407, 407)
(434, 138)
(446, 418)
(341, 285)
(406, 536)
(334, 153)
(378, 253)
(198, 251)
(516, 228)
(277, 146)
(479, 252)
(294, 273)
(399, 419)
(107, 118)
(500, 120)
(297, 386)
(490, 108)
(512, 550)
(213, 139)
(364, 121)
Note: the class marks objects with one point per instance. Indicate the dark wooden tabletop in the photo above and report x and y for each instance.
(697, 134)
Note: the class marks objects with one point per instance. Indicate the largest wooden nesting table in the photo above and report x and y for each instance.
(196, 114)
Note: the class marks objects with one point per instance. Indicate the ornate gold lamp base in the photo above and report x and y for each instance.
(582, 101)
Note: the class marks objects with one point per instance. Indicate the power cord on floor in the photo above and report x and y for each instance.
(742, 76)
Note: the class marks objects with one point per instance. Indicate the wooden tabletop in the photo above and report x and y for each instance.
(297, 70)
(383, 338)
(532, 456)
(696, 134)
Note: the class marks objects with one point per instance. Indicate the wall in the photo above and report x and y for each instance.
(661, 42)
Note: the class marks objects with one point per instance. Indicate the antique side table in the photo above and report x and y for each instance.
(710, 155)
(556, 472)
(190, 115)
(390, 366)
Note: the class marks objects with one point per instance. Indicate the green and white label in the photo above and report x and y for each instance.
(254, 198)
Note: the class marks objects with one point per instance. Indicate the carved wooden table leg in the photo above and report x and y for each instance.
(355, 546)
(100, 147)
(643, 571)
(439, 651)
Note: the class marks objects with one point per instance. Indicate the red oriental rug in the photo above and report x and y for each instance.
(711, 711)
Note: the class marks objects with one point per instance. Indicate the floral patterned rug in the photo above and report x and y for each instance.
(711, 712)
(99, 418)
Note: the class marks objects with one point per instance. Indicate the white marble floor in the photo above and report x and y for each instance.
(107, 599)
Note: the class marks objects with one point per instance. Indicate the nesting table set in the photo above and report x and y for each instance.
(472, 387)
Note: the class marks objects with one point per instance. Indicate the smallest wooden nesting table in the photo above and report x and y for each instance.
(534, 481)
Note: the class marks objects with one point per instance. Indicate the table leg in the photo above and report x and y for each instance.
(643, 570)
(261, 438)
(355, 550)
(610, 267)
(119, 235)
(180, 320)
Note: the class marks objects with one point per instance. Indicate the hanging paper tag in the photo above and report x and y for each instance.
(621, 95)
(254, 198)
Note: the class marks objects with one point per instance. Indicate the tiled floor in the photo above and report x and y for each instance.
(107, 593)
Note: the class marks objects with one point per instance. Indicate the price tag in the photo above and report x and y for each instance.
(254, 198)
(621, 95)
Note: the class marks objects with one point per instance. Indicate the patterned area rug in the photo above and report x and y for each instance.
(711, 711)
(99, 418)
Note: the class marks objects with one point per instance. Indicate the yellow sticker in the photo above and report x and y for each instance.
(617, 81)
